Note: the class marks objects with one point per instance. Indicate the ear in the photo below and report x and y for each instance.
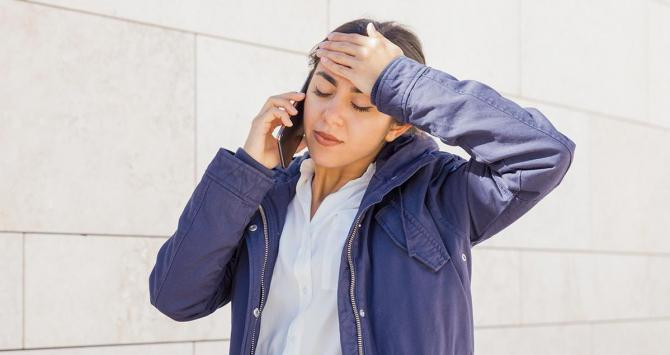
(395, 130)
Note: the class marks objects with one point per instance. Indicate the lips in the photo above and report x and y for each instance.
(328, 136)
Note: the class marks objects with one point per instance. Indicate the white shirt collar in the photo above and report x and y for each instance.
(347, 196)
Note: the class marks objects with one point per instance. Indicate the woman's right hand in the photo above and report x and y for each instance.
(260, 143)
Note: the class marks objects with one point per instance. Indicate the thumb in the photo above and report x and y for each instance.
(372, 31)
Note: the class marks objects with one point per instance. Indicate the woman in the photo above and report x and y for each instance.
(362, 245)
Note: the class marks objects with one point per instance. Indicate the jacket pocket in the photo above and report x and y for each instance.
(420, 241)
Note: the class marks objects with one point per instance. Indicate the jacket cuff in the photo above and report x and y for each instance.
(245, 157)
(392, 87)
(246, 180)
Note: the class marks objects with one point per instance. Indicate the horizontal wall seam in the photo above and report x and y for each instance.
(569, 323)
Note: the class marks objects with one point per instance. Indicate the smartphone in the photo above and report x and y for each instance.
(289, 138)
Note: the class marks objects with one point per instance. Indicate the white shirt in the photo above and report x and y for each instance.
(300, 316)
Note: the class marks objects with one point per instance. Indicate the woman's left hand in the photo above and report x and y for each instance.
(361, 59)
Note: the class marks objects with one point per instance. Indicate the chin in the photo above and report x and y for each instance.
(324, 159)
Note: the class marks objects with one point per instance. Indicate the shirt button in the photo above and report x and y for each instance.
(257, 312)
(252, 227)
(362, 313)
(463, 256)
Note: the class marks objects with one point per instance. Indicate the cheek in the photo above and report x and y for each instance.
(368, 133)
(308, 111)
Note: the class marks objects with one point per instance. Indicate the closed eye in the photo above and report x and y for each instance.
(357, 108)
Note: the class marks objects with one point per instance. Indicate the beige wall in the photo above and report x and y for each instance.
(111, 110)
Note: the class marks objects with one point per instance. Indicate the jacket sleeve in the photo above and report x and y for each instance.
(517, 155)
(194, 267)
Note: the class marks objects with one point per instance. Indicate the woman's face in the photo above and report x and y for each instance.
(334, 106)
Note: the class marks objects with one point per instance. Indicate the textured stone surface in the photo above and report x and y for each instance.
(95, 290)
(11, 290)
(97, 123)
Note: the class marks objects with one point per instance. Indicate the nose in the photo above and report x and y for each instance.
(333, 112)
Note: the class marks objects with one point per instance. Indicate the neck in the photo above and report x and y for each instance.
(327, 180)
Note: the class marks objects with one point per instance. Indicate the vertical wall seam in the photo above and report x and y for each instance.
(592, 345)
(23, 290)
(520, 49)
(520, 286)
(195, 109)
(647, 36)
(327, 16)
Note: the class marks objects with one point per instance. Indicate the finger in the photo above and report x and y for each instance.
(344, 47)
(274, 117)
(338, 69)
(349, 37)
(372, 31)
(292, 95)
(295, 95)
(280, 101)
(340, 58)
(280, 113)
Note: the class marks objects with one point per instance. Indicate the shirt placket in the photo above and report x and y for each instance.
(303, 275)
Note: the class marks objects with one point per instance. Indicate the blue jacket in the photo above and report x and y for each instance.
(404, 280)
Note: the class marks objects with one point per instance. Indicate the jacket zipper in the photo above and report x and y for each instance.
(351, 288)
(357, 225)
(352, 285)
(265, 261)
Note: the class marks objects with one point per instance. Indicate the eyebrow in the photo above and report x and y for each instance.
(334, 82)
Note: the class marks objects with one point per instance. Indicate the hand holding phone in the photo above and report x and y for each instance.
(277, 110)
(291, 139)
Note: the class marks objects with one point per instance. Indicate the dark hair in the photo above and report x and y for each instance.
(395, 32)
